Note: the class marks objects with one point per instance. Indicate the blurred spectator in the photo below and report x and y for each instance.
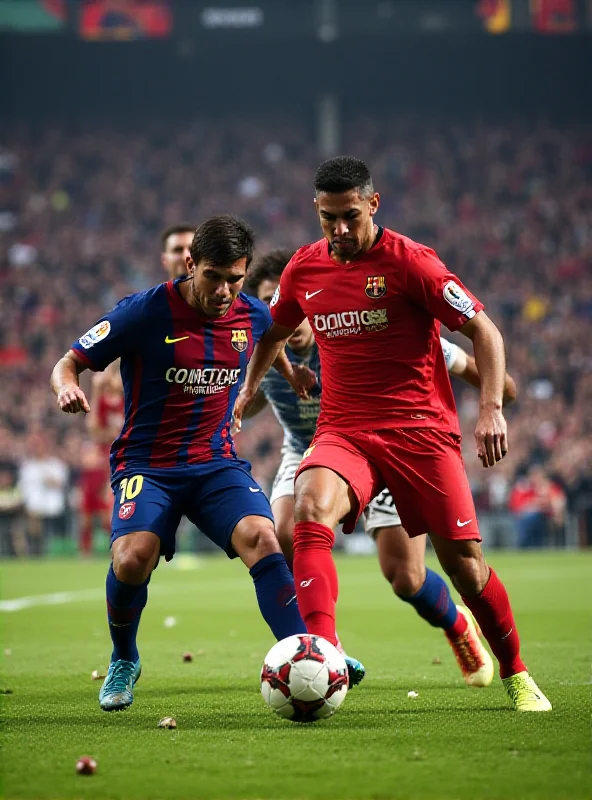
(538, 505)
(12, 539)
(43, 483)
(95, 501)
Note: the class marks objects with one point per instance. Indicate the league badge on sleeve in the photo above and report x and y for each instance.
(375, 286)
(458, 299)
(240, 340)
(96, 334)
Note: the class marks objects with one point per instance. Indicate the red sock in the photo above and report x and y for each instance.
(458, 627)
(315, 577)
(86, 538)
(493, 612)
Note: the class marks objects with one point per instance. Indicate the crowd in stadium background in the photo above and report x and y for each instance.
(508, 206)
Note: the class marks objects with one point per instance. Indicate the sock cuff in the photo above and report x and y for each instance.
(490, 588)
(265, 563)
(313, 535)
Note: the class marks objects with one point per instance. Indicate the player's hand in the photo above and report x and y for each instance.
(243, 401)
(72, 399)
(491, 436)
(302, 380)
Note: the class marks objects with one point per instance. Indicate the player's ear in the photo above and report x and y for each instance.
(374, 203)
(190, 266)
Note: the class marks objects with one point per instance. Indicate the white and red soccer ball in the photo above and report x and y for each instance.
(304, 678)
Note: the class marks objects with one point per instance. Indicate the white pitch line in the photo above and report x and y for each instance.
(55, 599)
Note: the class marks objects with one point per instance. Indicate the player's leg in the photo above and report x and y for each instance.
(254, 541)
(402, 561)
(427, 478)
(142, 527)
(335, 482)
(283, 514)
(486, 596)
(282, 502)
(282, 507)
(232, 510)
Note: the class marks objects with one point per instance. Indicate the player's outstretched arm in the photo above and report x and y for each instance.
(491, 436)
(465, 368)
(265, 353)
(65, 383)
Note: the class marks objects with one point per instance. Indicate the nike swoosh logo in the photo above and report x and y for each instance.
(312, 294)
(253, 490)
(462, 524)
(168, 340)
(304, 584)
(505, 636)
(291, 600)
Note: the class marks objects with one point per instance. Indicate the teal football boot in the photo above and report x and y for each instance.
(117, 691)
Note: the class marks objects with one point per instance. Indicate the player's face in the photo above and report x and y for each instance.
(303, 337)
(176, 251)
(215, 288)
(347, 222)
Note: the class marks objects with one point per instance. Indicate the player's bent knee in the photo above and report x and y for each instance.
(469, 575)
(254, 538)
(315, 507)
(407, 582)
(135, 555)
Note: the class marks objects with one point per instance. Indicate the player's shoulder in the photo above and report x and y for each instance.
(139, 302)
(257, 311)
(405, 249)
(308, 253)
(253, 304)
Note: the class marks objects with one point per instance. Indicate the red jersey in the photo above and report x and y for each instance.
(377, 326)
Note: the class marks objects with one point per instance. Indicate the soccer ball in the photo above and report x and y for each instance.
(304, 678)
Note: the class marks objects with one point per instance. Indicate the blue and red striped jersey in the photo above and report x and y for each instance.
(181, 374)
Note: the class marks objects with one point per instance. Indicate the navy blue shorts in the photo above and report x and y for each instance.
(214, 496)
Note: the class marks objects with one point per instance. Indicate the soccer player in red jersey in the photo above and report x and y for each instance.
(375, 300)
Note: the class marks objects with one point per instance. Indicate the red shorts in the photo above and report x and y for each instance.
(422, 468)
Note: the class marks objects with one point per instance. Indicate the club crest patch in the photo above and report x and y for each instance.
(127, 510)
(375, 286)
(457, 297)
(239, 340)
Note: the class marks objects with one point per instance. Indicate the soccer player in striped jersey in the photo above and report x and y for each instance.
(184, 347)
(402, 560)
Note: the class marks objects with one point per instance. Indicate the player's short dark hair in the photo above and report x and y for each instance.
(342, 174)
(171, 230)
(222, 240)
(268, 267)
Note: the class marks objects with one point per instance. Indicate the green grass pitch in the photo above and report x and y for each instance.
(450, 742)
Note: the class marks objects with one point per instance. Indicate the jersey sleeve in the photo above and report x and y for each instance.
(114, 335)
(433, 287)
(450, 351)
(285, 309)
(260, 319)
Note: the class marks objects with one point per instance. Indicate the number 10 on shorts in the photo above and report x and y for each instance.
(130, 488)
